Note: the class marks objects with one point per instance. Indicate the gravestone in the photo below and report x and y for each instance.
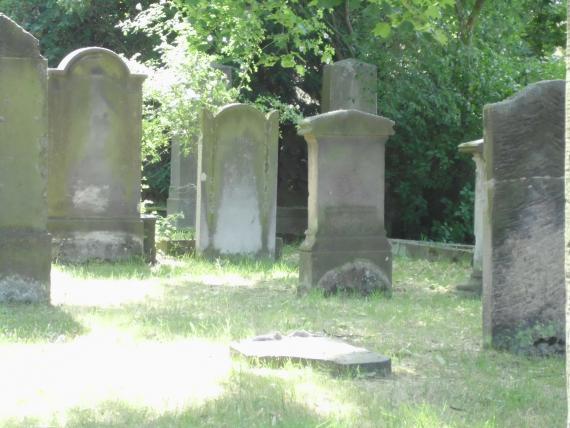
(25, 245)
(475, 282)
(306, 348)
(346, 238)
(237, 190)
(523, 255)
(183, 170)
(95, 124)
(349, 84)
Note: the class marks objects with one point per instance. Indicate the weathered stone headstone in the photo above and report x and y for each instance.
(346, 232)
(523, 268)
(306, 348)
(475, 282)
(25, 245)
(349, 84)
(237, 190)
(182, 191)
(183, 169)
(95, 106)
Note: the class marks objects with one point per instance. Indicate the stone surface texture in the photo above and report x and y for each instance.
(346, 194)
(523, 270)
(182, 190)
(349, 84)
(237, 190)
(306, 348)
(183, 171)
(25, 260)
(95, 124)
(475, 149)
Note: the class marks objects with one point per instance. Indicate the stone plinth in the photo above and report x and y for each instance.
(475, 282)
(523, 255)
(305, 348)
(237, 190)
(94, 183)
(346, 196)
(25, 260)
(349, 84)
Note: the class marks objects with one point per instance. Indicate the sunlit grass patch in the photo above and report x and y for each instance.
(128, 344)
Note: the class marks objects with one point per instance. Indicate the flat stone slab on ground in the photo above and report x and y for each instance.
(310, 349)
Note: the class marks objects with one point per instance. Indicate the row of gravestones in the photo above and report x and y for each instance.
(90, 144)
(70, 172)
(518, 263)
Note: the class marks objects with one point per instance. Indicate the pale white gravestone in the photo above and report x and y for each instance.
(237, 186)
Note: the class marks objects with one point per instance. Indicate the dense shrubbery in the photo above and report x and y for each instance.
(439, 62)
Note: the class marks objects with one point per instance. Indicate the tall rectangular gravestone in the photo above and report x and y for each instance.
(346, 244)
(237, 187)
(349, 84)
(25, 259)
(523, 255)
(183, 168)
(94, 184)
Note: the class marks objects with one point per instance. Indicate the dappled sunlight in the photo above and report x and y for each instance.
(67, 289)
(47, 380)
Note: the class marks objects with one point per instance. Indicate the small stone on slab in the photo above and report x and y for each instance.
(310, 349)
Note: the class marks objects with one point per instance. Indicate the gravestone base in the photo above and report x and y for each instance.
(82, 240)
(316, 258)
(184, 206)
(305, 348)
(25, 265)
(474, 285)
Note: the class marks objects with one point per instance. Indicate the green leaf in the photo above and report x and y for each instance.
(440, 36)
(287, 61)
(382, 29)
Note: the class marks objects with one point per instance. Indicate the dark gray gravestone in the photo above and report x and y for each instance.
(305, 348)
(523, 255)
(25, 245)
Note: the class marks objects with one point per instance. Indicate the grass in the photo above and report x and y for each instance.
(127, 345)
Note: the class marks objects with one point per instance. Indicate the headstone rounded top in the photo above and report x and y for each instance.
(79, 56)
(236, 107)
(15, 42)
(343, 123)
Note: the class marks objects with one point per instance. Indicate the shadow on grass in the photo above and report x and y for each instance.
(36, 323)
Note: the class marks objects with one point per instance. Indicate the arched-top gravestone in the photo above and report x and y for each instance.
(24, 242)
(523, 254)
(95, 122)
(237, 186)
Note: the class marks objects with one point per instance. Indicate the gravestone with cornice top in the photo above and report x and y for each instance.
(25, 245)
(475, 282)
(346, 245)
(95, 125)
